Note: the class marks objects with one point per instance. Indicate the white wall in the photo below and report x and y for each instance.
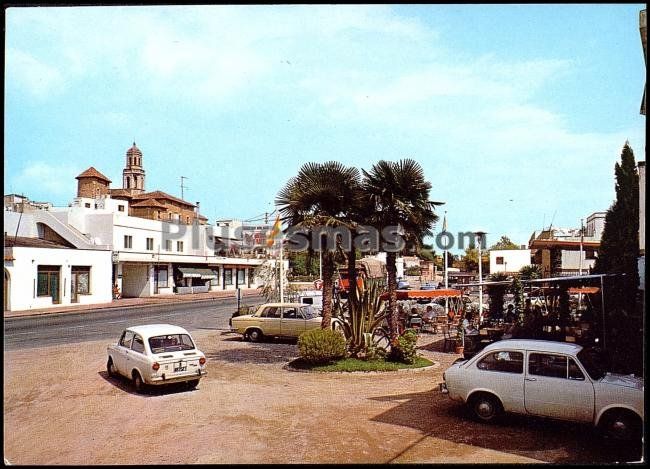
(513, 260)
(23, 272)
(571, 260)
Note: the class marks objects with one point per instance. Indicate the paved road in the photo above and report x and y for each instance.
(101, 324)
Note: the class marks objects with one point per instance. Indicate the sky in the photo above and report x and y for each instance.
(517, 113)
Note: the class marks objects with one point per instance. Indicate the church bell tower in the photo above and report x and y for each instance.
(133, 174)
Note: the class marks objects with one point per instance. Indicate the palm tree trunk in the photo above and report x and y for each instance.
(393, 320)
(328, 285)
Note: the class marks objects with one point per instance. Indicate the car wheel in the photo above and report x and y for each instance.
(485, 407)
(255, 335)
(622, 425)
(193, 383)
(110, 367)
(138, 384)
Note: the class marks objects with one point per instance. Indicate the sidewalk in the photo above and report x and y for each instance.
(134, 302)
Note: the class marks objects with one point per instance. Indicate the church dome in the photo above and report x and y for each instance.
(134, 151)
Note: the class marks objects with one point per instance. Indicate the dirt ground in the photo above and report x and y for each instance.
(60, 407)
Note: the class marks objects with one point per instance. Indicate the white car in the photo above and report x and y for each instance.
(548, 379)
(156, 354)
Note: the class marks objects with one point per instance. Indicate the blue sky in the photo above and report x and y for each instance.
(517, 113)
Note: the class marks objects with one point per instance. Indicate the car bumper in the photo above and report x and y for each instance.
(158, 380)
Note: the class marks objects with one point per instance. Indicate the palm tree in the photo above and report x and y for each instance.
(397, 195)
(321, 195)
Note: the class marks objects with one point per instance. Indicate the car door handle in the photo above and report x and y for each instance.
(531, 379)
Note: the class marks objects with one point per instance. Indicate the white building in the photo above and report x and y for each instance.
(154, 257)
(509, 260)
(44, 270)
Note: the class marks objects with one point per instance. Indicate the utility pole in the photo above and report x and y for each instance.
(183, 187)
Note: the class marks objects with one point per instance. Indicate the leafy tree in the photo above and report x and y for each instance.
(321, 195)
(503, 243)
(397, 195)
(530, 272)
(470, 260)
(427, 252)
(302, 264)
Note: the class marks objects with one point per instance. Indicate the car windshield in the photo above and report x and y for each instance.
(170, 343)
(593, 361)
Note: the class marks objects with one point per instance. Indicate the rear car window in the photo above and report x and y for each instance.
(170, 343)
(505, 361)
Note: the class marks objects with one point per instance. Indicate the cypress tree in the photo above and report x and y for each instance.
(618, 254)
(619, 245)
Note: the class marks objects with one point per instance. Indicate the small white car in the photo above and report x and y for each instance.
(156, 354)
(547, 379)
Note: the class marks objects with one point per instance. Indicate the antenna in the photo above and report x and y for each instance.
(183, 187)
(552, 218)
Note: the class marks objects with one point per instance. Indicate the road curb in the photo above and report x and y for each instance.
(156, 302)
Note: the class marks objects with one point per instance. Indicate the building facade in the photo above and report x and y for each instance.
(568, 251)
(509, 261)
(145, 243)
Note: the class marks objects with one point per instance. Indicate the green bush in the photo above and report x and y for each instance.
(405, 350)
(320, 346)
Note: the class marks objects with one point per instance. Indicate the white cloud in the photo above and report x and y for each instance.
(55, 179)
(24, 71)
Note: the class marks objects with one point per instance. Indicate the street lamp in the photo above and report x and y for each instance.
(479, 239)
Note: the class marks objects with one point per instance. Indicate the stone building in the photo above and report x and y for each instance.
(156, 205)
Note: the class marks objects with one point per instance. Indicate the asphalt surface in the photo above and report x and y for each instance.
(91, 324)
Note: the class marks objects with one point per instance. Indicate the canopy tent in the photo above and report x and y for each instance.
(424, 294)
(583, 290)
(193, 272)
(455, 297)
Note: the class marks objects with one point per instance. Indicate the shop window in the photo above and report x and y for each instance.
(80, 280)
(162, 276)
(215, 281)
(241, 276)
(227, 276)
(48, 281)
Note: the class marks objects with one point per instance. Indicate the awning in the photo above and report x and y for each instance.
(424, 294)
(192, 272)
(584, 290)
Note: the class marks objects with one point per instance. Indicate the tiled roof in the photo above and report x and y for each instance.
(93, 173)
(23, 242)
(148, 203)
(161, 195)
(120, 193)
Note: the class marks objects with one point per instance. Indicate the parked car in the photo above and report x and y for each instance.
(549, 379)
(276, 320)
(156, 354)
(427, 286)
(403, 285)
